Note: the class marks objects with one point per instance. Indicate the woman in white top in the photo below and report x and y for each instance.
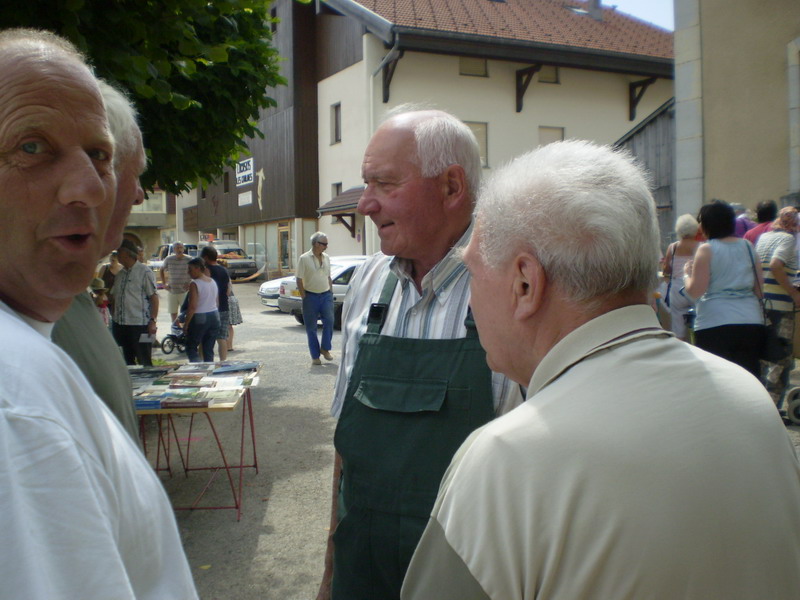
(202, 317)
(678, 254)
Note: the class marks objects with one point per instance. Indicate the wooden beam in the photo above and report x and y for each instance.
(524, 77)
(351, 226)
(388, 74)
(636, 90)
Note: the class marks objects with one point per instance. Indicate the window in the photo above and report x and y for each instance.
(473, 67)
(274, 20)
(548, 135)
(336, 123)
(480, 130)
(154, 202)
(549, 74)
(226, 182)
(336, 189)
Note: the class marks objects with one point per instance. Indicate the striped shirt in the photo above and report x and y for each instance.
(437, 313)
(781, 245)
(131, 292)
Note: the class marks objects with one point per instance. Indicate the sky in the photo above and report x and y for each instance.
(658, 12)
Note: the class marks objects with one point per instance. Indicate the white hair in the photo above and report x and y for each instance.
(585, 211)
(686, 226)
(442, 140)
(121, 121)
(315, 237)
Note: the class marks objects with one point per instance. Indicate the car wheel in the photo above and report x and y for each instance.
(168, 345)
(299, 318)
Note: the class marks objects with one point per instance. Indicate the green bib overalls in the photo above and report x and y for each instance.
(408, 407)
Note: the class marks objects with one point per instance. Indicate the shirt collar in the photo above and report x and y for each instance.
(606, 331)
(45, 329)
(444, 273)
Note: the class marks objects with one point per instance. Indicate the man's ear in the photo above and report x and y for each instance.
(530, 285)
(454, 181)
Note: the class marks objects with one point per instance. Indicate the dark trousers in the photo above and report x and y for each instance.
(203, 330)
(740, 344)
(127, 337)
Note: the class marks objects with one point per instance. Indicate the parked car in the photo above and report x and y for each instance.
(342, 270)
(270, 291)
(233, 258)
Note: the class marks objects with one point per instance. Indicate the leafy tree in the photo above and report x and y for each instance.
(198, 71)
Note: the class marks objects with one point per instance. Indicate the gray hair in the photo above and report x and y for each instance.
(442, 140)
(585, 211)
(315, 237)
(121, 121)
(23, 36)
(686, 226)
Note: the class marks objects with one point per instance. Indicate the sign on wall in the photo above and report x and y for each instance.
(245, 198)
(244, 172)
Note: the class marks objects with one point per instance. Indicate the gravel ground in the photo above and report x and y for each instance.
(276, 551)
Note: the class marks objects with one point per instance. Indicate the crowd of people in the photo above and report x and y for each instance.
(736, 282)
(512, 420)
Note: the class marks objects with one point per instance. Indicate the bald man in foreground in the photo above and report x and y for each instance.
(84, 515)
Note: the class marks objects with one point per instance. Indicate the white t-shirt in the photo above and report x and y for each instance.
(82, 513)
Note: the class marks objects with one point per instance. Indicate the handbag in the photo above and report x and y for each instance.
(774, 348)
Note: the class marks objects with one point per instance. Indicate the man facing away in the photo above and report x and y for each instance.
(413, 380)
(314, 283)
(81, 332)
(84, 515)
(174, 275)
(639, 466)
(135, 301)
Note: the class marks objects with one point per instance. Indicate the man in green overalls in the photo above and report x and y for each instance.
(413, 380)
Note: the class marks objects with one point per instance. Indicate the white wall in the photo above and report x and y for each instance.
(587, 104)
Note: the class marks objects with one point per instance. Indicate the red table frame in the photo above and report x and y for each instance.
(164, 446)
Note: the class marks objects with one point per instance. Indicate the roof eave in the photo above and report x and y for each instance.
(447, 42)
(374, 23)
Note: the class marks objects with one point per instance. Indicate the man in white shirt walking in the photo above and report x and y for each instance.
(314, 284)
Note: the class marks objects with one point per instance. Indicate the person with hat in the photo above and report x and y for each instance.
(100, 297)
(135, 301)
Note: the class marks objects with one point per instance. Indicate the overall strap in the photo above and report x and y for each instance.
(469, 323)
(375, 322)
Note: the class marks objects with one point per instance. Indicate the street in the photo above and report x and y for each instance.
(276, 551)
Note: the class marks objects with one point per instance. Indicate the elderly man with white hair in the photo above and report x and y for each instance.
(639, 466)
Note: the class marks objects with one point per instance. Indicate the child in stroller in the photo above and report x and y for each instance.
(176, 337)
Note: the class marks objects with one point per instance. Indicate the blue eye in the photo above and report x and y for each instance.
(32, 147)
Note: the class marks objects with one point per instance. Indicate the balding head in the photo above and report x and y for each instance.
(57, 183)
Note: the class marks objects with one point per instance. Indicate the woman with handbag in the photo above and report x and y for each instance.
(730, 320)
(678, 254)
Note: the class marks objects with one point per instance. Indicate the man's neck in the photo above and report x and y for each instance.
(46, 310)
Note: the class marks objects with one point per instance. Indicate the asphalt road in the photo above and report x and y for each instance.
(276, 551)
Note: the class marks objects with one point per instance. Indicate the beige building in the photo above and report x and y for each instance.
(737, 88)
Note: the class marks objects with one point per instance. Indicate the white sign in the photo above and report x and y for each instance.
(245, 198)
(244, 172)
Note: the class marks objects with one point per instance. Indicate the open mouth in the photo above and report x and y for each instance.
(76, 241)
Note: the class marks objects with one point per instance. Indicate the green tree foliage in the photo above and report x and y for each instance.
(198, 71)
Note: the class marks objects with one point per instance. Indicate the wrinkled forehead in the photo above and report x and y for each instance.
(37, 80)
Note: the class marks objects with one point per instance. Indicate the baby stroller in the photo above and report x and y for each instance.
(175, 339)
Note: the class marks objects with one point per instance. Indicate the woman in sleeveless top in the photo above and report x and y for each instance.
(108, 272)
(202, 317)
(678, 254)
(729, 321)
